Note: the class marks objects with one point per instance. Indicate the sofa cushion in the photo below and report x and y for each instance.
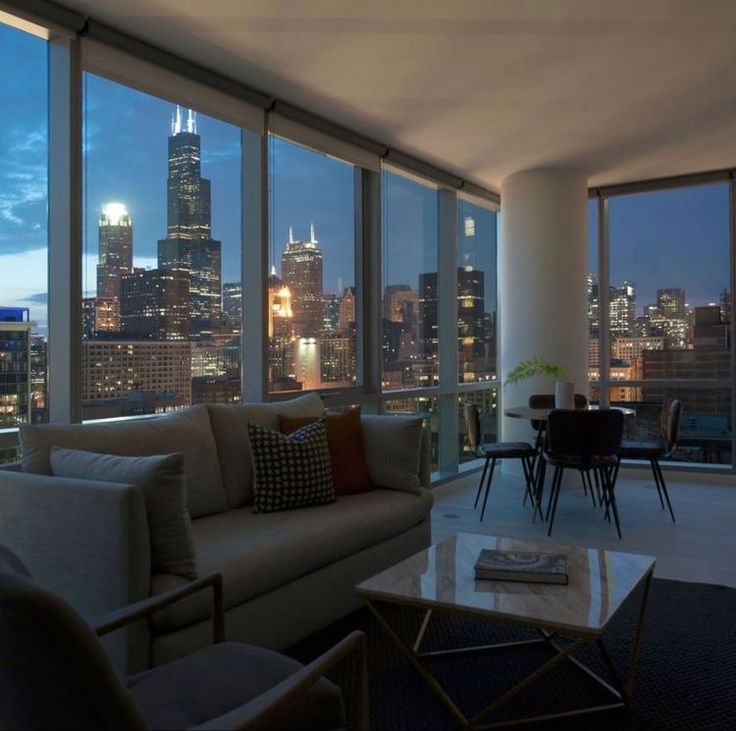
(258, 552)
(291, 471)
(345, 440)
(161, 478)
(187, 431)
(393, 448)
(230, 427)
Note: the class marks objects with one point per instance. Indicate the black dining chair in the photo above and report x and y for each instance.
(547, 401)
(653, 451)
(492, 451)
(587, 441)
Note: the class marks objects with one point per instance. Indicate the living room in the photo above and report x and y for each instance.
(271, 211)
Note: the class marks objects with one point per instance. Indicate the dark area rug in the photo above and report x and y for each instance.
(686, 677)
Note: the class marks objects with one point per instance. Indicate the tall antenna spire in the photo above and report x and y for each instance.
(176, 121)
(312, 237)
(192, 121)
(291, 234)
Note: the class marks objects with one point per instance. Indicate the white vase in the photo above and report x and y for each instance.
(564, 395)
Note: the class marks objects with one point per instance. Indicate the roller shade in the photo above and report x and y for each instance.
(124, 68)
(315, 139)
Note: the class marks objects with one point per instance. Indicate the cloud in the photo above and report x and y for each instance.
(23, 182)
(40, 298)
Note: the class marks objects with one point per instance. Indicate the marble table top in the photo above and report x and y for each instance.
(442, 577)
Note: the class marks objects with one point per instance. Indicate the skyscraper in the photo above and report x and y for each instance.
(671, 302)
(189, 245)
(115, 236)
(154, 304)
(15, 366)
(301, 271)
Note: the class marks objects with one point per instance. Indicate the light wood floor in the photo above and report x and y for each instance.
(700, 546)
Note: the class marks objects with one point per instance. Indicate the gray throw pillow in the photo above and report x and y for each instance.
(393, 448)
(161, 477)
(291, 471)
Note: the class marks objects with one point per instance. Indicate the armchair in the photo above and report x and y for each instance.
(55, 674)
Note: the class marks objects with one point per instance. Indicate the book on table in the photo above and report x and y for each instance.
(545, 568)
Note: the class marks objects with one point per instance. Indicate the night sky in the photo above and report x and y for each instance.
(675, 238)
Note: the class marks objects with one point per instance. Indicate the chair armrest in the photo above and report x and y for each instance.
(256, 713)
(125, 615)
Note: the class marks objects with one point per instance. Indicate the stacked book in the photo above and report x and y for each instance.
(545, 568)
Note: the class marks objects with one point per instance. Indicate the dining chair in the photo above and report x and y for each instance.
(492, 451)
(587, 441)
(547, 401)
(54, 672)
(653, 451)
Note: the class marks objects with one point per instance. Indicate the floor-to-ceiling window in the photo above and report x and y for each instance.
(23, 230)
(669, 321)
(476, 317)
(313, 301)
(410, 291)
(162, 291)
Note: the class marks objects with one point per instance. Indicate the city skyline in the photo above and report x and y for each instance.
(123, 118)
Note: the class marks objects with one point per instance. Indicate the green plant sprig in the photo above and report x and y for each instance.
(532, 367)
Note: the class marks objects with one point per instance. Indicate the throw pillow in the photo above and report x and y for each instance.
(393, 448)
(345, 442)
(291, 471)
(161, 478)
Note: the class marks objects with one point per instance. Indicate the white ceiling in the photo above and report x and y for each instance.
(622, 89)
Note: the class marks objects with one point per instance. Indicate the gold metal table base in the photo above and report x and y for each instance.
(620, 696)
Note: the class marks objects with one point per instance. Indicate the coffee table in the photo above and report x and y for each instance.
(441, 579)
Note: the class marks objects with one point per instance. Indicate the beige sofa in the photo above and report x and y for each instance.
(286, 574)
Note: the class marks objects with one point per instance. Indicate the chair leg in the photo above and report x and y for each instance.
(480, 485)
(653, 463)
(587, 481)
(664, 488)
(526, 464)
(553, 498)
(539, 486)
(608, 489)
(488, 489)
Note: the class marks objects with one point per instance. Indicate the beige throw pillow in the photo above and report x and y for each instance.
(161, 477)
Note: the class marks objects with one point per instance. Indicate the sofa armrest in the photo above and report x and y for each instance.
(86, 540)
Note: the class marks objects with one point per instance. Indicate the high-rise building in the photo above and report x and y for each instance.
(471, 323)
(622, 309)
(232, 303)
(154, 305)
(671, 302)
(301, 271)
(115, 236)
(470, 313)
(346, 322)
(189, 245)
(15, 366)
(123, 377)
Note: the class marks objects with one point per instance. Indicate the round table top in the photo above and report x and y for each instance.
(527, 412)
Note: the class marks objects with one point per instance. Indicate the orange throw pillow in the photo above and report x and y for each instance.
(345, 442)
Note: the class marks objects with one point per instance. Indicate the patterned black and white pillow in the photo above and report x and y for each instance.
(291, 471)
